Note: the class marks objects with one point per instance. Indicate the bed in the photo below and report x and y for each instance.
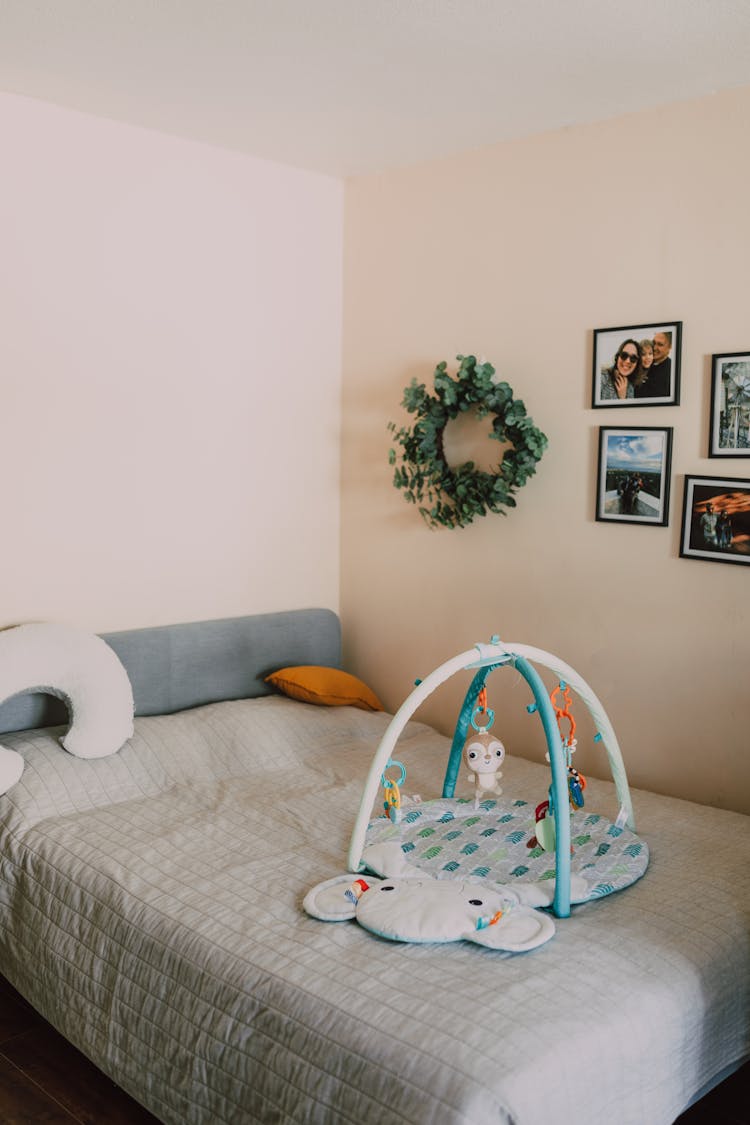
(151, 910)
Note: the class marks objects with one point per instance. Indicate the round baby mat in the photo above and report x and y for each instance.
(450, 839)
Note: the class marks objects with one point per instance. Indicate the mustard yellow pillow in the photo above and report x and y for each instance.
(330, 687)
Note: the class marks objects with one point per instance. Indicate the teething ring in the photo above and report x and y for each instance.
(490, 719)
(387, 781)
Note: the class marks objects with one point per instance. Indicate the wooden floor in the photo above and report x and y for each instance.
(45, 1081)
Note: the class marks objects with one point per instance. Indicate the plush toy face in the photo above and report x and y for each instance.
(431, 910)
(428, 910)
(483, 753)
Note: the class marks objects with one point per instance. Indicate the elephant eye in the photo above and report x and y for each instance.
(388, 888)
(475, 902)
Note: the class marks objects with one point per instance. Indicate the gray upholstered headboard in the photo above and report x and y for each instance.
(174, 667)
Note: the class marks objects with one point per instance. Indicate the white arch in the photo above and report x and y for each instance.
(482, 655)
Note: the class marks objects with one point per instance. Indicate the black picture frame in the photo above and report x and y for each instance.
(634, 474)
(723, 494)
(729, 429)
(664, 375)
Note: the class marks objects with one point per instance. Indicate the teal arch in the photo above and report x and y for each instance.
(561, 803)
(559, 786)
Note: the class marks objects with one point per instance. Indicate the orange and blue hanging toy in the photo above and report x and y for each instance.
(576, 780)
(560, 699)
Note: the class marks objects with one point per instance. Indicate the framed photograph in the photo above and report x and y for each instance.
(716, 520)
(730, 405)
(637, 365)
(634, 474)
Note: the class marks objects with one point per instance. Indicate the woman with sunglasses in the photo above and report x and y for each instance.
(620, 380)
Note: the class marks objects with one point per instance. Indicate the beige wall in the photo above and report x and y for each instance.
(170, 365)
(516, 253)
(170, 356)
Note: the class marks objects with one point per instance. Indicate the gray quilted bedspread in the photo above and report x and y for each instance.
(150, 908)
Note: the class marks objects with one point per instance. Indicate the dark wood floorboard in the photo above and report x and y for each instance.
(44, 1080)
(24, 1103)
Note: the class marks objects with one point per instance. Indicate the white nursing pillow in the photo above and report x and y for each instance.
(77, 667)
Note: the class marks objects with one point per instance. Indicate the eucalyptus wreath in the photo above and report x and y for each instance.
(454, 497)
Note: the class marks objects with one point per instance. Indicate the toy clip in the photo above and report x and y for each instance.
(357, 889)
(564, 712)
(484, 921)
(482, 709)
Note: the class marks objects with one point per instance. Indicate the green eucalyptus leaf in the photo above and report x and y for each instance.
(458, 496)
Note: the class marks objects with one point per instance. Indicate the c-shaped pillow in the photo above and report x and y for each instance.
(77, 667)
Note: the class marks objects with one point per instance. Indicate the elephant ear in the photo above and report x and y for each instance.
(519, 930)
(335, 900)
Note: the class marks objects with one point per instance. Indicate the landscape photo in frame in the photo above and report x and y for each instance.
(633, 474)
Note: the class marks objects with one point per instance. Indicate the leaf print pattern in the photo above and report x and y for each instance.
(450, 839)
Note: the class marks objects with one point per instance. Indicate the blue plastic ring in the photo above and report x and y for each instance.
(490, 719)
(387, 780)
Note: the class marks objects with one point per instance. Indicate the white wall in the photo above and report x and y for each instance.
(170, 336)
(517, 253)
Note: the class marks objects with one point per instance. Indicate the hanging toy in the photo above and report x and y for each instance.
(392, 795)
(576, 780)
(576, 786)
(483, 753)
(545, 820)
(545, 828)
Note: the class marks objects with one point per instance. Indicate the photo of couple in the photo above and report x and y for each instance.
(636, 365)
(716, 519)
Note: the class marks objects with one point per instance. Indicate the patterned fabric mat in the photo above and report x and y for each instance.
(449, 838)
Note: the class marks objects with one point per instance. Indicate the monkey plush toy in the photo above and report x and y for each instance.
(484, 754)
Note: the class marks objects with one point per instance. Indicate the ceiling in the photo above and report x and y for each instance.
(348, 87)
